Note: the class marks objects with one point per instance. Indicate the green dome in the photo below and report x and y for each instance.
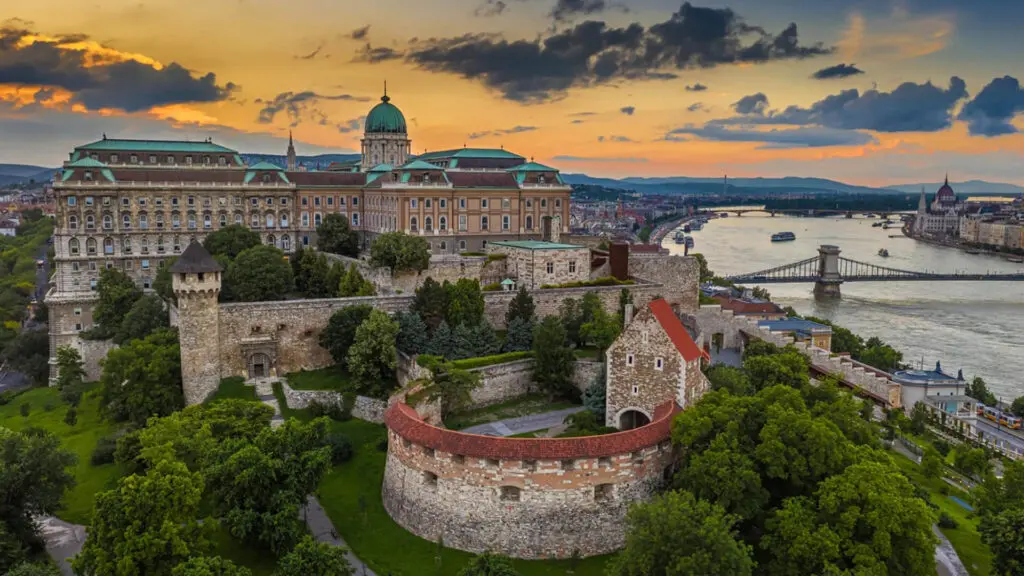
(385, 117)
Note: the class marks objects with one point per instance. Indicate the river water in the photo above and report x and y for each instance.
(975, 326)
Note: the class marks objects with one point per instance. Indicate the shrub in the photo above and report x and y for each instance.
(471, 254)
(332, 410)
(606, 281)
(104, 451)
(470, 363)
(492, 287)
(25, 409)
(71, 416)
(382, 445)
(49, 406)
(71, 394)
(341, 447)
(947, 521)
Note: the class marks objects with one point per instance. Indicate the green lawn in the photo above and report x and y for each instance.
(80, 439)
(521, 406)
(966, 540)
(330, 378)
(234, 388)
(384, 545)
(586, 353)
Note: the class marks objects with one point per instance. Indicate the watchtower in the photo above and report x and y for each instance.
(196, 281)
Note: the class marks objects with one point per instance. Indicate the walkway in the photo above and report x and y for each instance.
(523, 424)
(265, 393)
(323, 530)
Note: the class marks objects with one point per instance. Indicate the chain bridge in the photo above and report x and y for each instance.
(828, 270)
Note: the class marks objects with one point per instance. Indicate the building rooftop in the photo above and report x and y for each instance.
(155, 146)
(795, 325)
(194, 260)
(419, 165)
(744, 306)
(469, 153)
(538, 245)
(677, 333)
(922, 377)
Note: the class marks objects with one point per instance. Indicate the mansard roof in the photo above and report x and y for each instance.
(481, 179)
(115, 144)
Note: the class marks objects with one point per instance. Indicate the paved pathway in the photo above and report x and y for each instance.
(265, 393)
(523, 424)
(63, 541)
(323, 530)
(946, 560)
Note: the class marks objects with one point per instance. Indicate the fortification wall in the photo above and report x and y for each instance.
(680, 276)
(364, 408)
(93, 352)
(525, 498)
(442, 268)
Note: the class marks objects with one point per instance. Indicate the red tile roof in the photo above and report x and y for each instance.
(404, 421)
(672, 326)
(743, 307)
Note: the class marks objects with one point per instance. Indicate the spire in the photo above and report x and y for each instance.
(292, 159)
(385, 97)
(947, 179)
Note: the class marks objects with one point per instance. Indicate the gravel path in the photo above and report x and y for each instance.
(523, 424)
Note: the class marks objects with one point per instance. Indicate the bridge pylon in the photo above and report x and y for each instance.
(829, 278)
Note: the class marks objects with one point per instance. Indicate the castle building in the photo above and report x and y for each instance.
(132, 204)
(942, 216)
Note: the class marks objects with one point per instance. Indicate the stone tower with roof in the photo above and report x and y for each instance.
(196, 280)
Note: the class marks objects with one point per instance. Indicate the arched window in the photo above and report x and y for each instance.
(255, 220)
(270, 219)
(483, 222)
(126, 246)
(444, 246)
(108, 245)
(175, 220)
(73, 222)
(108, 221)
(177, 244)
(271, 241)
(529, 222)
(462, 244)
(143, 221)
(207, 220)
(317, 219)
(126, 221)
(442, 223)
(90, 246)
(90, 221)
(191, 220)
(284, 219)
(144, 245)
(428, 224)
(159, 221)
(238, 218)
(223, 220)
(73, 246)
(286, 243)
(413, 224)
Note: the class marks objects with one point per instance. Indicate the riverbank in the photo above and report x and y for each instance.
(955, 244)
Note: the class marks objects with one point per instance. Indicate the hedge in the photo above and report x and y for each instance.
(470, 363)
(606, 281)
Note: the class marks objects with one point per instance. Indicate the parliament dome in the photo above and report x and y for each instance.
(385, 117)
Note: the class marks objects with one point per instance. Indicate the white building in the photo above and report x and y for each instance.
(942, 217)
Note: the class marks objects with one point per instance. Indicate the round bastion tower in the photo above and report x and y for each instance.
(196, 281)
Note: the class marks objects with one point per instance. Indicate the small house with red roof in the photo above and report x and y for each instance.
(655, 360)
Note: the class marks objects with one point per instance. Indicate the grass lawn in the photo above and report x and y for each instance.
(521, 406)
(330, 378)
(384, 545)
(80, 439)
(586, 353)
(966, 540)
(234, 388)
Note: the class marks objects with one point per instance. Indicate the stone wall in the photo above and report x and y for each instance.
(535, 268)
(93, 352)
(365, 408)
(449, 267)
(585, 372)
(680, 276)
(525, 498)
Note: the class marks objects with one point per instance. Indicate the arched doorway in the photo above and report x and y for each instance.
(633, 419)
(259, 365)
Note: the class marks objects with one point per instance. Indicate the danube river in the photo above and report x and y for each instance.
(976, 326)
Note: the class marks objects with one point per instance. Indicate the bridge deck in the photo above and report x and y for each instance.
(884, 278)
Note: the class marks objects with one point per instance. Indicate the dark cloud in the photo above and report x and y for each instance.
(991, 112)
(353, 125)
(568, 9)
(615, 138)
(598, 159)
(98, 82)
(374, 55)
(695, 107)
(583, 114)
(312, 55)
(628, 110)
(909, 108)
(593, 52)
(502, 132)
(752, 104)
(809, 137)
(837, 71)
(360, 33)
(299, 106)
(577, 121)
(698, 87)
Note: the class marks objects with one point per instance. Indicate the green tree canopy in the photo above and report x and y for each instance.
(340, 333)
(163, 284)
(117, 294)
(553, 360)
(488, 564)
(601, 331)
(143, 378)
(231, 241)
(70, 368)
(521, 307)
(335, 236)
(431, 303)
(452, 386)
(313, 278)
(312, 558)
(978, 390)
(209, 566)
(258, 274)
(413, 337)
(372, 359)
(400, 252)
(595, 396)
(147, 525)
(353, 284)
(725, 377)
(465, 302)
(443, 342)
(676, 534)
(29, 353)
(146, 316)
(27, 569)
(519, 336)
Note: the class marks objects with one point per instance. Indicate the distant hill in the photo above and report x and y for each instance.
(968, 187)
(752, 186)
(310, 162)
(11, 174)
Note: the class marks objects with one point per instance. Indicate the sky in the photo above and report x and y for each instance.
(870, 92)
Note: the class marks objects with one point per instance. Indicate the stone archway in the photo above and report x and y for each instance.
(259, 365)
(630, 419)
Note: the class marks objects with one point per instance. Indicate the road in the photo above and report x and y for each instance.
(522, 424)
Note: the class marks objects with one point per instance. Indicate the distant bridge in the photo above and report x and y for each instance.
(828, 270)
(741, 210)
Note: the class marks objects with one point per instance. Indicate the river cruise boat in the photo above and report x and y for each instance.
(783, 237)
(697, 224)
(1015, 259)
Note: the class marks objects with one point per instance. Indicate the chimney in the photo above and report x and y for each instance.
(556, 228)
(627, 314)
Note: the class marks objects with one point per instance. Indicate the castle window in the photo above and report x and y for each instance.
(222, 161)
(659, 364)
(483, 202)
(73, 246)
(355, 201)
(355, 219)
(428, 452)
(127, 246)
(152, 159)
(444, 246)
(636, 390)
(604, 461)
(317, 218)
(568, 464)
(200, 276)
(604, 492)
(286, 243)
(413, 224)
(530, 465)
(510, 494)
(442, 223)
(305, 219)
(88, 200)
(73, 222)
(506, 222)
(505, 203)
(134, 159)
(458, 459)
(223, 220)
(191, 200)
(483, 222)
(427, 202)
(430, 479)
(638, 457)
(551, 267)
(629, 359)
(462, 203)
(72, 200)
(494, 463)
(543, 202)
(529, 222)
(444, 203)
(412, 203)
(145, 264)
(462, 222)
(78, 311)
(572, 266)
(108, 245)
(428, 224)
(643, 336)
(558, 202)
(90, 246)
(90, 222)
(462, 244)
(113, 158)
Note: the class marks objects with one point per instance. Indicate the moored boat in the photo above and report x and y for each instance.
(1015, 259)
(783, 237)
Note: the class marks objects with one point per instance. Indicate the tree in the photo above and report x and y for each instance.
(258, 274)
(705, 272)
(519, 336)
(1004, 534)
(488, 564)
(971, 461)
(117, 294)
(865, 520)
(33, 475)
(571, 317)
(465, 302)
(29, 353)
(353, 284)
(70, 369)
(595, 396)
(1017, 408)
(340, 332)
(400, 252)
(787, 367)
(724, 377)
(372, 358)
(26, 569)
(313, 277)
(880, 355)
(843, 340)
(431, 303)
(919, 418)
(553, 360)
(978, 390)
(312, 558)
(412, 333)
(521, 307)
(163, 284)
(677, 534)
(143, 379)
(931, 462)
(601, 331)
(443, 342)
(452, 386)
(147, 525)
(209, 566)
(231, 241)
(336, 237)
(625, 298)
(146, 316)
(334, 278)
(464, 343)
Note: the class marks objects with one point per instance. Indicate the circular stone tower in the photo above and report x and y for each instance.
(196, 281)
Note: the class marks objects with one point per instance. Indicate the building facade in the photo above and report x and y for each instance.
(942, 216)
(133, 204)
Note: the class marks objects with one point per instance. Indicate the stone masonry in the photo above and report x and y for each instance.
(534, 264)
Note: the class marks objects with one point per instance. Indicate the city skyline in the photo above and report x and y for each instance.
(870, 93)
